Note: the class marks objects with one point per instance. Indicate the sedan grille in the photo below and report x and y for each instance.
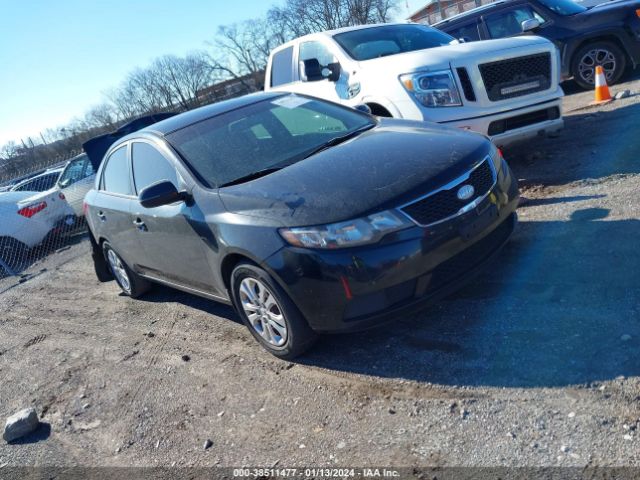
(517, 76)
(445, 203)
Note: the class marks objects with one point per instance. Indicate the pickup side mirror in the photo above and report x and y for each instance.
(530, 24)
(312, 71)
(159, 194)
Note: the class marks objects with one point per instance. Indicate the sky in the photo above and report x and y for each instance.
(59, 57)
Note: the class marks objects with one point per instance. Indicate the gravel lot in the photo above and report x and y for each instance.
(537, 364)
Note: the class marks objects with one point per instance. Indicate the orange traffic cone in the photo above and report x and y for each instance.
(602, 89)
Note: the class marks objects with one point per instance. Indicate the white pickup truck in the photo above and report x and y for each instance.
(507, 89)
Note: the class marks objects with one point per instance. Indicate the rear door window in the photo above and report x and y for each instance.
(282, 67)
(116, 177)
(150, 166)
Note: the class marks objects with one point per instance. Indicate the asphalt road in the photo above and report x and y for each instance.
(535, 363)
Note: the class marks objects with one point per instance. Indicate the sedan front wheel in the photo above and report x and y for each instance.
(269, 314)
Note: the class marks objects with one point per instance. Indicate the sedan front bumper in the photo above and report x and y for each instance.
(357, 288)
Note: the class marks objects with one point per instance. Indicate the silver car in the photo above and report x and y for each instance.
(75, 181)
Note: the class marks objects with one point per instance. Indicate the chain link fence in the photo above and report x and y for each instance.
(41, 209)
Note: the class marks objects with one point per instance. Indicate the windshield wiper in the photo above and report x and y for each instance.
(338, 140)
(251, 176)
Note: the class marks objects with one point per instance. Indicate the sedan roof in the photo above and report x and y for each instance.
(185, 119)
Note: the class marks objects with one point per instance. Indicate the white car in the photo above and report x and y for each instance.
(29, 218)
(507, 89)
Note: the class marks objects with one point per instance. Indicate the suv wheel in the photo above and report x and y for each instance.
(131, 284)
(269, 313)
(605, 54)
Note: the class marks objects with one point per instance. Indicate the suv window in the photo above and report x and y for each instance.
(281, 67)
(508, 23)
(116, 178)
(469, 32)
(150, 166)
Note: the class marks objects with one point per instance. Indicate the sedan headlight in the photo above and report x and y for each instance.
(437, 89)
(360, 231)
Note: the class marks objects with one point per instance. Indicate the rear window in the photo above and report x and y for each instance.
(375, 42)
(282, 67)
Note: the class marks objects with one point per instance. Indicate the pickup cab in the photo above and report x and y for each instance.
(507, 89)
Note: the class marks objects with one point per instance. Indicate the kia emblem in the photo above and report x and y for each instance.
(465, 192)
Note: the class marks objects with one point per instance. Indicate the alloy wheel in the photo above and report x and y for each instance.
(118, 270)
(597, 57)
(263, 311)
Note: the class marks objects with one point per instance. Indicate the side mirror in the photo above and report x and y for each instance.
(363, 107)
(333, 71)
(159, 194)
(530, 24)
(65, 183)
(311, 71)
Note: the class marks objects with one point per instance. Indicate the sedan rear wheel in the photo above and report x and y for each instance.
(13, 253)
(129, 282)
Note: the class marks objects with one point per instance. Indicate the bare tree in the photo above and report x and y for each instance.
(243, 48)
(300, 17)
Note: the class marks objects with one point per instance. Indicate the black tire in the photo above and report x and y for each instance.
(598, 53)
(299, 336)
(100, 265)
(14, 254)
(133, 285)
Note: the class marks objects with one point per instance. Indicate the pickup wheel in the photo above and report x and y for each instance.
(599, 53)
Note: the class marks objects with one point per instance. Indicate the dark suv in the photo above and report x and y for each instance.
(607, 35)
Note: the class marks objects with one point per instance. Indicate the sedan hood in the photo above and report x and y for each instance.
(440, 58)
(382, 168)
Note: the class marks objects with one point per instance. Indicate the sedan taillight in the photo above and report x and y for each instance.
(31, 210)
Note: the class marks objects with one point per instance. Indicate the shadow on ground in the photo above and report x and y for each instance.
(554, 310)
(593, 145)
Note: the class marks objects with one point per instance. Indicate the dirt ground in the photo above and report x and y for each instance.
(536, 363)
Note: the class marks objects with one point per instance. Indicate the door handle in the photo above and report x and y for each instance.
(140, 225)
(102, 216)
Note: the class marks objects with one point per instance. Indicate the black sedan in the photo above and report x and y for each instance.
(306, 216)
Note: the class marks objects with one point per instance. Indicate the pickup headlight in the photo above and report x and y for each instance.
(437, 89)
(360, 231)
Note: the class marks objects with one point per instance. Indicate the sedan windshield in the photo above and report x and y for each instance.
(368, 43)
(263, 137)
(563, 7)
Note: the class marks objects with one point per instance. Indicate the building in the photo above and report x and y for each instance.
(436, 10)
(234, 87)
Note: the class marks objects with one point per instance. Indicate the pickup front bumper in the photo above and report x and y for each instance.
(513, 126)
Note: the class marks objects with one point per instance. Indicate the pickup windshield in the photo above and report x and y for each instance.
(253, 141)
(375, 42)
